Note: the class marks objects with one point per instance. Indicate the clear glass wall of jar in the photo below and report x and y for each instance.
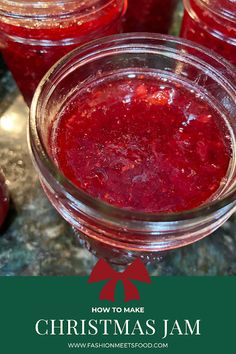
(35, 34)
(117, 234)
(211, 23)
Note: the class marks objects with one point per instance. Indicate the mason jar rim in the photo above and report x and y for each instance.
(20, 9)
(42, 4)
(223, 15)
(106, 209)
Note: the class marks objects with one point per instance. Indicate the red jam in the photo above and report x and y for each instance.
(142, 142)
(29, 62)
(213, 26)
(149, 15)
(3, 200)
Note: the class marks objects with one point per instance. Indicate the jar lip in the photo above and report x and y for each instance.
(218, 10)
(109, 210)
(215, 10)
(23, 9)
(43, 3)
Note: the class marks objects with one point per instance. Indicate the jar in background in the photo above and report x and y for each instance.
(149, 15)
(4, 201)
(114, 233)
(35, 34)
(211, 23)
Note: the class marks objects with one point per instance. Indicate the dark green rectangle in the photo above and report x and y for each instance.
(25, 300)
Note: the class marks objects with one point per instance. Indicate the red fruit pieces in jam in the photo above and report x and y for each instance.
(209, 29)
(29, 62)
(142, 143)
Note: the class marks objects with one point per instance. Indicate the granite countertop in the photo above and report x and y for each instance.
(35, 239)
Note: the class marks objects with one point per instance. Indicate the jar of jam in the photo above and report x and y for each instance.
(133, 137)
(35, 34)
(149, 15)
(212, 23)
(3, 199)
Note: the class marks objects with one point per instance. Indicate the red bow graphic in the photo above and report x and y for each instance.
(135, 271)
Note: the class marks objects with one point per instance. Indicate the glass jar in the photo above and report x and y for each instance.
(149, 15)
(211, 23)
(3, 199)
(35, 34)
(117, 234)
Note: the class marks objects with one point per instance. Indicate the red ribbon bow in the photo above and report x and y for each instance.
(135, 271)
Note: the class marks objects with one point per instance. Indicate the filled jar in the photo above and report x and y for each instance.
(149, 15)
(211, 23)
(3, 199)
(133, 137)
(35, 34)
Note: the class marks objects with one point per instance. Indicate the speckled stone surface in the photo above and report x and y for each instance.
(35, 240)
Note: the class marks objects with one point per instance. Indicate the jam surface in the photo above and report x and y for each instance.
(149, 15)
(211, 28)
(142, 142)
(52, 39)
